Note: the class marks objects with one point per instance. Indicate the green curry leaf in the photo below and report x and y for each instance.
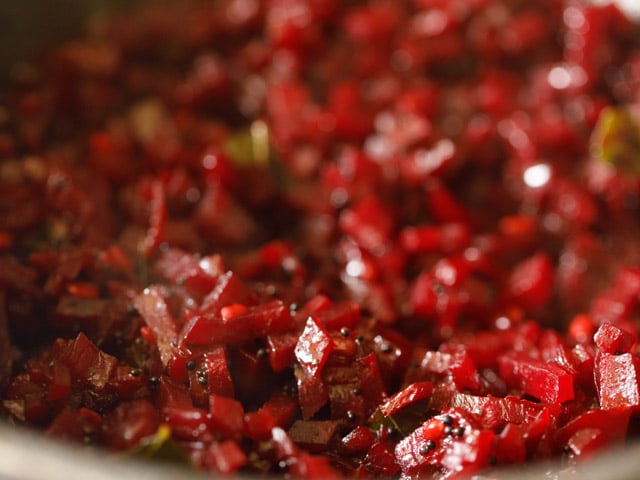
(160, 447)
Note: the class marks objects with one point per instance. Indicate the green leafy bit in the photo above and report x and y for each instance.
(616, 140)
(160, 447)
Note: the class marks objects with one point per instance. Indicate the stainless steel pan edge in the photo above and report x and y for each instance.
(26, 455)
(27, 27)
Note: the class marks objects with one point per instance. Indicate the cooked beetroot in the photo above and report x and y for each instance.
(326, 239)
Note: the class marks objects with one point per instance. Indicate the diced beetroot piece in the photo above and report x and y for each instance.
(394, 353)
(424, 296)
(492, 410)
(583, 360)
(278, 411)
(410, 394)
(226, 457)
(177, 365)
(285, 448)
(420, 453)
(314, 306)
(60, 385)
(282, 350)
(252, 377)
(539, 427)
(371, 384)
(443, 205)
(343, 314)
(509, 446)
(357, 440)
(553, 349)
(313, 435)
(200, 329)
(581, 328)
(229, 289)
(129, 423)
(198, 390)
(423, 239)
(215, 208)
(218, 375)
(254, 322)
(617, 380)
(27, 400)
(612, 306)
(171, 394)
(313, 347)
(452, 271)
(157, 217)
(182, 268)
(72, 311)
(458, 364)
(472, 454)
(369, 222)
(227, 416)
(88, 363)
(446, 238)
(187, 423)
(381, 461)
(628, 282)
(153, 309)
(68, 425)
(347, 404)
(126, 384)
(311, 467)
(312, 393)
(587, 441)
(547, 382)
(257, 321)
(343, 348)
(613, 423)
(613, 340)
(530, 283)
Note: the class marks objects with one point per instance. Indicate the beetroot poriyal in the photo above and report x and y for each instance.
(327, 239)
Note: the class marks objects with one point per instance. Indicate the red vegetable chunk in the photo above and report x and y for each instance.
(547, 382)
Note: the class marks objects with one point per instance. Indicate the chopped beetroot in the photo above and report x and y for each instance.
(466, 451)
(277, 411)
(87, 363)
(218, 376)
(617, 379)
(282, 350)
(313, 347)
(547, 382)
(226, 457)
(458, 364)
(129, 423)
(313, 435)
(227, 417)
(196, 274)
(509, 446)
(410, 394)
(530, 283)
(614, 423)
(358, 440)
(586, 441)
(312, 393)
(240, 325)
(323, 239)
(613, 340)
(153, 309)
